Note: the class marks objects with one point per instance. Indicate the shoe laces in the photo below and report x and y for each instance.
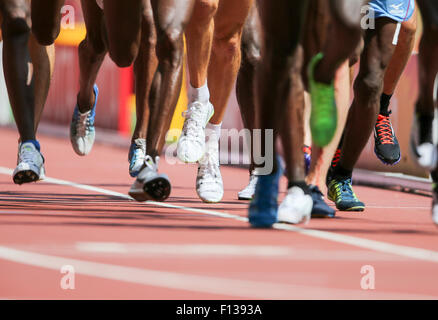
(27, 154)
(344, 189)
(83, 123)
(138, 150)
(194, 116)
(384, 130)
(209, 166)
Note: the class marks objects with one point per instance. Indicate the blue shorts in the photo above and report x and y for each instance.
(397, 10)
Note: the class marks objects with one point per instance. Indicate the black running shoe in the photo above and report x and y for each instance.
(386, 146)
(320, 209)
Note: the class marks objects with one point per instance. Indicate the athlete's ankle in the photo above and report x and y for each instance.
(300, 184)
(342, 173)
(34, 142)
(385, 100)
(201, 94)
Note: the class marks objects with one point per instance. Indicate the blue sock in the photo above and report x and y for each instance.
(35, 143)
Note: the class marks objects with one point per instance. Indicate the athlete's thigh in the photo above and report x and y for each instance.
(347, 11)
(429, 11)
(282, 22)
(231, 16)
(93, 18)
(11, 9)
(46, 16)
(123, 19)
(172, 14)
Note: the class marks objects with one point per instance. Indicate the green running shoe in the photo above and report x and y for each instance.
(341, 193)
(323, 117)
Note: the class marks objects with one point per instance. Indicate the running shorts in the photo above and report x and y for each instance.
(397, 10)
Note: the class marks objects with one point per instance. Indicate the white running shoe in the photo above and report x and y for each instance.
(296, 207)
(248, 192)
(82, 131)
(150, 185)
(423, 152)
(30, 166)
(191, 144)
(209, 184)
(136, 157)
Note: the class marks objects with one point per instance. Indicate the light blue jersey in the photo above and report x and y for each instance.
(397, 10)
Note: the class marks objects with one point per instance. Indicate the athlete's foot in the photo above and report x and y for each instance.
(340, 191)
(296, 207)
(82, 132)
(150, 185)
(320, 208)
(423, 148)
(209, 184)
(386, 145)
(136, 157)
(30, 164)
(191, 144)
(264, 206)
(248, 192)
(323, 117)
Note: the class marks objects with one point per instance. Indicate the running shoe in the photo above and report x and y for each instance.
(30, 164)
(209, 184)
(423, 146)
(323, 117)
(82, 132)
(340, 191)
(137, 154)
(248, 192)
(386, 145)
(296, 207)
(264, 206)
(307, 157)
(150, 185)
(191, 144)
(320, 208)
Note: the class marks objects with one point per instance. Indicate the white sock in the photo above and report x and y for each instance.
(213, 132)
(201, 94)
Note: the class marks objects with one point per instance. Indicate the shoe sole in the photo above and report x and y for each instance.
(384, 161)
(244, 198)
(353, 209)
(157, 189)
(26, 176)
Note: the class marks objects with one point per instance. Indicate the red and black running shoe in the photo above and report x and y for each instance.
(386, 145)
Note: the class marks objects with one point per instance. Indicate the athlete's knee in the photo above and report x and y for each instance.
(45, 33)
(170, 45)
(369, 86)
(227, 47)
(204, 11)
(15, 22)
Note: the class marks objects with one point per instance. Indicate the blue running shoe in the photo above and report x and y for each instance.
(82, 131)
(320, 208)
(264, 206)
(137, 154)
(341, 193)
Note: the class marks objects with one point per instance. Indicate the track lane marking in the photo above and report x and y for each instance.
(196, 283)
(379, 246)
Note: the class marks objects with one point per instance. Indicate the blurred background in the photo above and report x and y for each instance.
(116, 109)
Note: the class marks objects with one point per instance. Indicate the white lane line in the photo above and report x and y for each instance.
(197, 283)
(227, 251)
(379, 246)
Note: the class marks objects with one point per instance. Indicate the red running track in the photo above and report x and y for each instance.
(184, 249)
